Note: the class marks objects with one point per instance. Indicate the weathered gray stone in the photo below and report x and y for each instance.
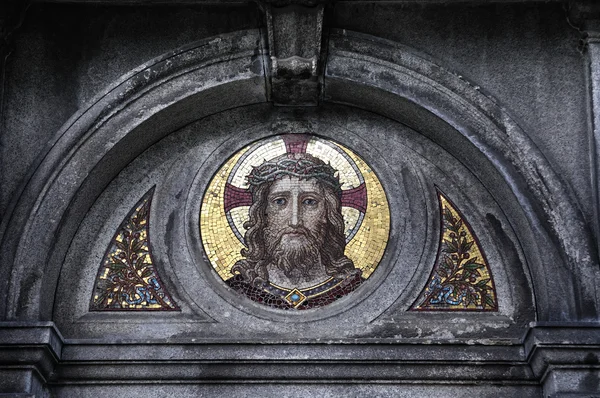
(66, 57)
(295, 36)
(242, 73)
(488, 102)
(489, 129)
(588, 17)
(525, 56)
(28, 356)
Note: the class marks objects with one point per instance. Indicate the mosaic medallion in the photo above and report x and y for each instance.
(461, 279)
(128, 279)
(294, 222)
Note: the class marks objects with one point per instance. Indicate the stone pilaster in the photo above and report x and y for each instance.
(565, 358)
(29, 353)
(585, 15)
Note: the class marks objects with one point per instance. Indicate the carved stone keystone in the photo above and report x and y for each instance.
(294, 37)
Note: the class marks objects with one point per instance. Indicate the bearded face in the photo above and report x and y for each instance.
(295, 228)
(295, 225)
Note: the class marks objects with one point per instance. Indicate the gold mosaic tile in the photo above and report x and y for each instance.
(461, 279)
(366, 225)
(128, 279)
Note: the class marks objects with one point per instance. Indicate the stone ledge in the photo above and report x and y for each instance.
(565, 358)
(549, 355)
(29, 353)
(37, 346)
(293, 371)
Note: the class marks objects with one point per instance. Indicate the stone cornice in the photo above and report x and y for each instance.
(550, 346)
(36, 346)
(547, 346)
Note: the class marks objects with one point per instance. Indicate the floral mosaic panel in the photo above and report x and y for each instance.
(461, 279)
(294, 222)
(128, 279)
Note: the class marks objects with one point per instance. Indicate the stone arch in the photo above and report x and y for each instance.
(228, 71)
(96, 143)
(391, 79)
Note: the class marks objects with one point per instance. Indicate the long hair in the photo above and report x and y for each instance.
(254, 267)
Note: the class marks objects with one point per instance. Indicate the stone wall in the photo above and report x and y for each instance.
(490, 105)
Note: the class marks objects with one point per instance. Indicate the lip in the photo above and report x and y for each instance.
(294, 233)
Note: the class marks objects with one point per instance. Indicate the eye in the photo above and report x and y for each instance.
(280, 201)
(309, 202)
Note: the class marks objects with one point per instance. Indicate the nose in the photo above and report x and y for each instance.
(295, 216)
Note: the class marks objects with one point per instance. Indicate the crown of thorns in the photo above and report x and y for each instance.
(300, 168)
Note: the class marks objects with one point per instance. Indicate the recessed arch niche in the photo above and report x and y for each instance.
(171, 122)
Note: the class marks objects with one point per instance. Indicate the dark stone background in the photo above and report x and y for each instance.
(533, 62)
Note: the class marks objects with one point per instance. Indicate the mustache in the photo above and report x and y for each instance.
(300, 230)
(274, 239)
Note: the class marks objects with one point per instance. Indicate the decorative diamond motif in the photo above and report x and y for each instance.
(295, 297)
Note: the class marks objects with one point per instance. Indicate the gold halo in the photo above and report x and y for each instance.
(366, 245)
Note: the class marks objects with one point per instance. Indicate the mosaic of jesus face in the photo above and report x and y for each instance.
(295, 229)
(294, 222)
(295, 232)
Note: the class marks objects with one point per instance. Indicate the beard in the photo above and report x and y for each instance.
(295, 251)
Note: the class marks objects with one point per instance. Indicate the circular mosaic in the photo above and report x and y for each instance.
(294, 221)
